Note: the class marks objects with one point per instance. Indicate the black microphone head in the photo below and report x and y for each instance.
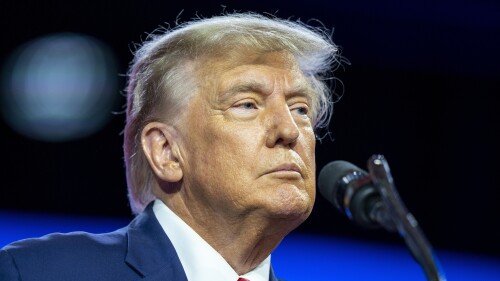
(331, 175)
(350, 190)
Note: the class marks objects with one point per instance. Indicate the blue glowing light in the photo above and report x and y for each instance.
(59, 87)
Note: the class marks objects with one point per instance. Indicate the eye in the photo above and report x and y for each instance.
(300, 109)
(246, 105)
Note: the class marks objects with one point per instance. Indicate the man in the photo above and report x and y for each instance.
(219, 149)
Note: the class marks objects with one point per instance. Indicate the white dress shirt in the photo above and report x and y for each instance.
(200, 261)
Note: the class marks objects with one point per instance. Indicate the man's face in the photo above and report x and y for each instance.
(247, 139)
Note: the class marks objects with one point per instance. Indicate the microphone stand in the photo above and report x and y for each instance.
(393, 215)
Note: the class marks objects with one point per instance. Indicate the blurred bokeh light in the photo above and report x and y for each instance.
(59, 87)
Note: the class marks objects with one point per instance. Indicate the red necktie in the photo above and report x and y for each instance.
(242, 279)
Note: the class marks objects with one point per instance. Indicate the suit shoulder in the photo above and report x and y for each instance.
(66, 254)
(61, 242)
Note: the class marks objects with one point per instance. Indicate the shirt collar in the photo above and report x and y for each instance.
(200, 261)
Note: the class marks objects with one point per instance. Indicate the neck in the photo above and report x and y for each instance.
(244, 241)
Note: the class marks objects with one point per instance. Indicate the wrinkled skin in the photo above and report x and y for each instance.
(244, 150)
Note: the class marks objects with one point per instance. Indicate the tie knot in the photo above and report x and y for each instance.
(242, 279)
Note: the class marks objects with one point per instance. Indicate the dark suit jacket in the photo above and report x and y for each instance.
(140, 251)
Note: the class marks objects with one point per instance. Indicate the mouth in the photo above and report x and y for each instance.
(290, 169)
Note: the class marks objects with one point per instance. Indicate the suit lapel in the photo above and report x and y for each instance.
(149, 252)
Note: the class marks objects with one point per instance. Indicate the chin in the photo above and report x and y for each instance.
(299, 213)
(292, 203)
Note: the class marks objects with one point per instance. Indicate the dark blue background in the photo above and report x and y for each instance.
(422, 89)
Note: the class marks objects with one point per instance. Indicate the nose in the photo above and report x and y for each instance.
(282, 128)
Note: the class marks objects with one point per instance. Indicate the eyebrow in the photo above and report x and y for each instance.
(299, 89)
(247, 86)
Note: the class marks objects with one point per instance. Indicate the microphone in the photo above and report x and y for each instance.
(371, 200)
(351, 190)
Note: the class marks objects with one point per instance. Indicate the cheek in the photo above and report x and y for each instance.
(309, 158)
(309, 149)
(225, 150)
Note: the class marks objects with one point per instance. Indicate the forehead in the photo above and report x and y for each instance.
(255, 70)
(278, 59)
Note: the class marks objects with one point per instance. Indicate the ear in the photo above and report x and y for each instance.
(160, 147)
